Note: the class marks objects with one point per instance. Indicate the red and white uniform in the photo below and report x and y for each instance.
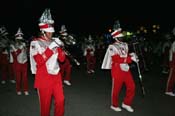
(66, 69)
(89, 53)
(117, 59)
(4, 64)
(48, 80)
(171, 78)
(21, 67)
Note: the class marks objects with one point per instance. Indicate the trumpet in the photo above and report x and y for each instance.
(70, 56)
(64, 43)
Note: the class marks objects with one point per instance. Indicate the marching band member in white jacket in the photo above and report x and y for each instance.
(117, 59)
(20, 63)
(45, 52)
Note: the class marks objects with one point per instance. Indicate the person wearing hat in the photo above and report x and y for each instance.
(6, 66)
(19, 54)
(117, 59)
(45, 51)
(165, 53)
(66, 65)
(89, 53)
(171, 74)
(6, 61)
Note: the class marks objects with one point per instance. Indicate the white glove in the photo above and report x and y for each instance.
(132, 54)
(92, 53)
(58, 41)
(53, 45)
(134, 57)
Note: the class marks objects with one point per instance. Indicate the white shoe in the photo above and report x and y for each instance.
(88, 72)
(67, 83)
(12, 81)
(26, 93)
(3, 82)
(92, 71)
(128, 108)
(19, 93)
(117, 109)
(170, 93)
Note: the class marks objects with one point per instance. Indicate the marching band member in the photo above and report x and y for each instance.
(44, 55)
(171, 78)
(66, 65)
(117, 59)
(20, 63)
(6, 61)
(165, 53)
(89, 53)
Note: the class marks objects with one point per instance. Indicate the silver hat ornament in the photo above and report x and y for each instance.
(63, 28)
(4, 40)
(46, 22)
(46, 17)
(116, 25)
(19, 34)
(117, 30)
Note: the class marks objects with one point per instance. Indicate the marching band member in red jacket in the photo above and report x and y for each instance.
(89, 53)
(20, 63)
(117, 59)
(44, 55)
(65, 67)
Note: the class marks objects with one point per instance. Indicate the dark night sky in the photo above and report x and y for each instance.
(85, 16)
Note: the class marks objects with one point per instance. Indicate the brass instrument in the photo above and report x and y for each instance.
(70, 56)
(68, 41)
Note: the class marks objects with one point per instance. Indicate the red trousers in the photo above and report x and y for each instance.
(65, 70)
(21, 76)
(171, 81)
(7, 71)
(45, 97)
(91, 61)
(119, 78)
(4, 72)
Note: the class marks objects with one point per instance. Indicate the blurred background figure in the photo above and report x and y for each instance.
(65, 67)
(6, 62)
(171, 77)
(165, 53)
(117, 59)
(20, 63)
(89, 53)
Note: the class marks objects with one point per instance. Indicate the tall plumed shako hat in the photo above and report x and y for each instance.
(46, 22)
(117, 30)
(90, 38)
(19, 34)
(4, 40)
(3, 31)
(63, 30)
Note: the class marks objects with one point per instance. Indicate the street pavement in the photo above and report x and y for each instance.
(90, 95)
